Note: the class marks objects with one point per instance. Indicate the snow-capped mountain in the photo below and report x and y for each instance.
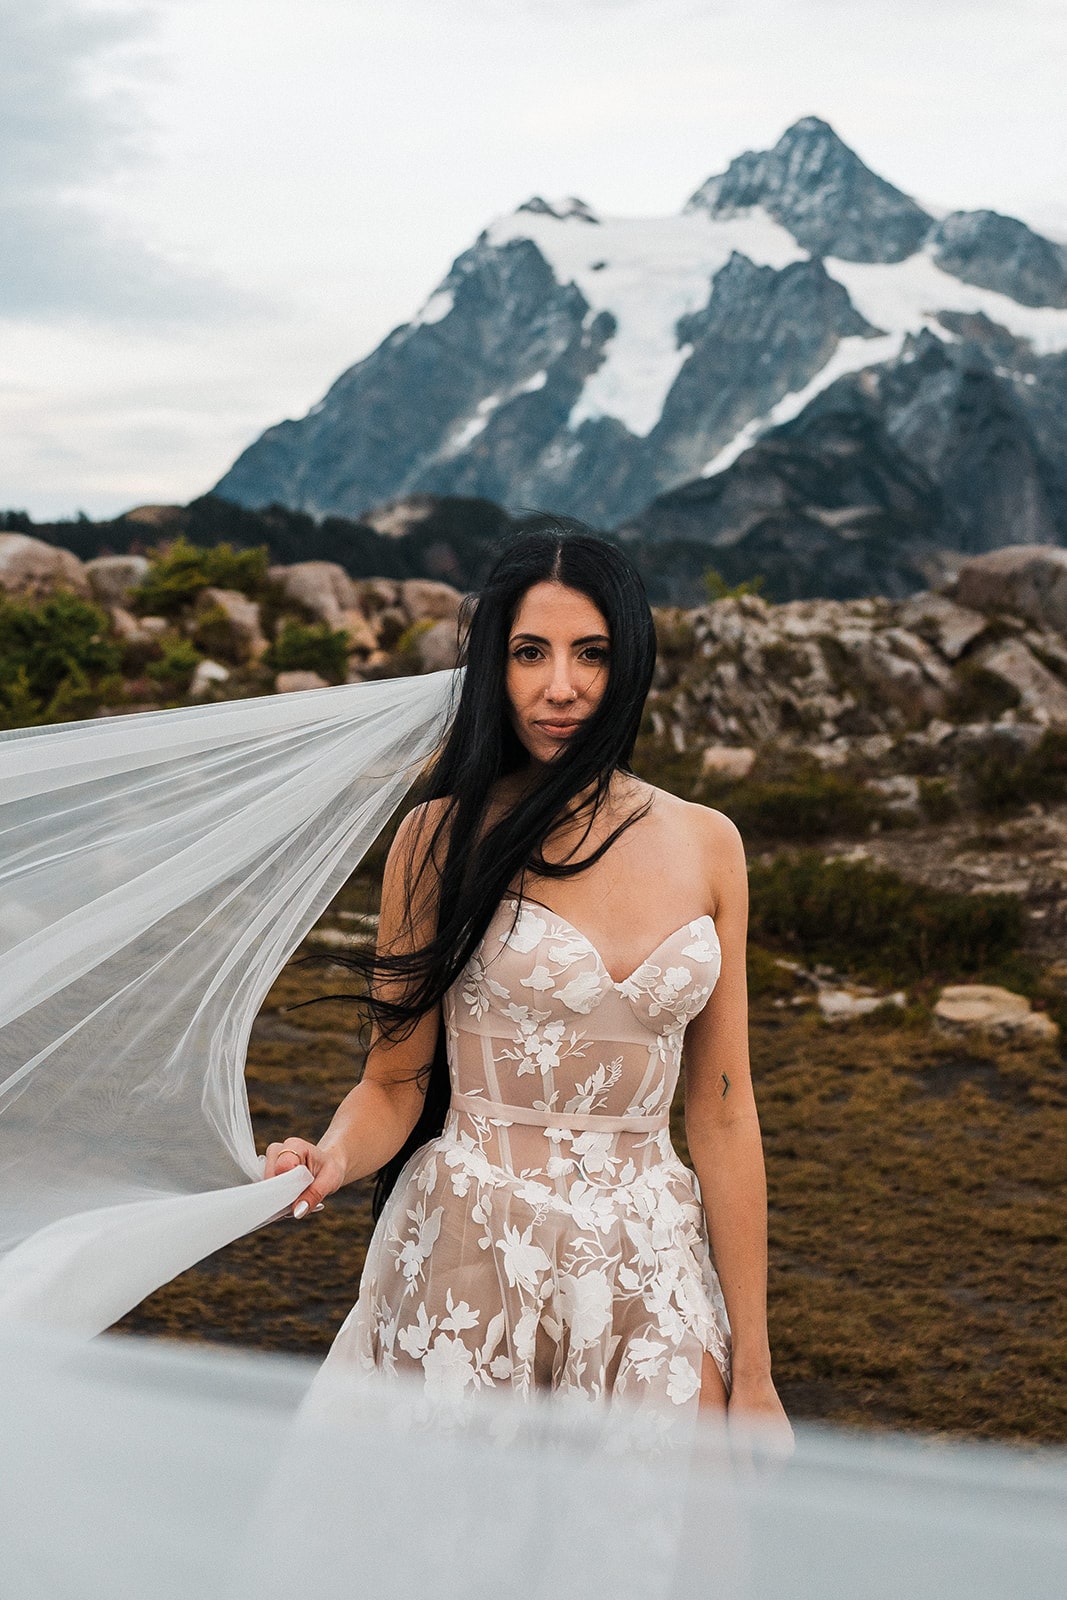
(593, 365)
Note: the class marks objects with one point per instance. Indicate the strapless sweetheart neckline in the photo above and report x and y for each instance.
(616, 983)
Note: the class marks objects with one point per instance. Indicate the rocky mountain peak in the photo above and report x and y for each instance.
(569, 206)
(1001, 253)
(814, 185)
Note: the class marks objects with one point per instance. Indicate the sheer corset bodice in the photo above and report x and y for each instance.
(558, 1070)
(550, 1237)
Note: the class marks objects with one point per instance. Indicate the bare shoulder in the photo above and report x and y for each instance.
(411, 881)
(701, 824)
(419, 833)
(423, 819)
(709, 844)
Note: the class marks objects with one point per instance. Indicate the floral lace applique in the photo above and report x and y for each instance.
(535, 1253)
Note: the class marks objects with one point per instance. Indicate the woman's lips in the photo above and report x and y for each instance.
(558, 730)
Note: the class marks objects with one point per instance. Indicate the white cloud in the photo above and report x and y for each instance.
(61, 134)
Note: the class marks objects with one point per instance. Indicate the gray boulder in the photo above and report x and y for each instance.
(325, 592)
(985, 1008)
(207, 677)
(437, 647)
(131, 629)
(114, 578)
(321, 588)
(943, 623)
(33, 569)
(1025, 580)
(377, 594)
(298, 682)
(1041, 694)
(228, 623)
(422, 598)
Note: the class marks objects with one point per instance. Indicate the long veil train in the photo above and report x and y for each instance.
(156, 871)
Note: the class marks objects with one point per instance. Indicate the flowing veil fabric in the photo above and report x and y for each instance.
(156, 871)
(131, 1469)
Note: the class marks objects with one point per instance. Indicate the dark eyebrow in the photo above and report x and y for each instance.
(589, 638)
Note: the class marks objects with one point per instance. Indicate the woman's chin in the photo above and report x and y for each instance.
(549, 751)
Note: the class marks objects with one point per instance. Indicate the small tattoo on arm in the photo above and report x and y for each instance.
(725, 1085)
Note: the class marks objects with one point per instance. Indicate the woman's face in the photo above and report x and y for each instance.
(558, 653)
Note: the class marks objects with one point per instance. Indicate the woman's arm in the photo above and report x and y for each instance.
(722, 1130)
(376, 1117)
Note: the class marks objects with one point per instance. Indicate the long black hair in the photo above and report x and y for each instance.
(473, 866)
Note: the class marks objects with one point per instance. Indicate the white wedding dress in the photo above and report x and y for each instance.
(550, 1238)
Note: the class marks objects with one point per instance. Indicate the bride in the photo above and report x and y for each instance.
(556, 937)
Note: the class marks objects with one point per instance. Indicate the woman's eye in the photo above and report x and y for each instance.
(526, 652)
(595, 652)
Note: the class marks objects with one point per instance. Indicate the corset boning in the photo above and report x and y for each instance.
(560, 1073)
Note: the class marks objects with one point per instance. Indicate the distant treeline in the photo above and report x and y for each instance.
(457, 541)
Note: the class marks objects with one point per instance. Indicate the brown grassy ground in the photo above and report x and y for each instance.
(918, 1239)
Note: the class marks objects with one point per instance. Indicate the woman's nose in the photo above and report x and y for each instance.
(562, 687)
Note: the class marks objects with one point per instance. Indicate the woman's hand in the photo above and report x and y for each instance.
(761, 1433)
(327, 1172)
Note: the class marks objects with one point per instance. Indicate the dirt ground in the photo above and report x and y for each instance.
(917, 1223)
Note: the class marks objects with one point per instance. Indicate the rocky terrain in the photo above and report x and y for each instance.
(899, 771)
(805, 375)
(924, 730)
(127, 633)
(921, 678)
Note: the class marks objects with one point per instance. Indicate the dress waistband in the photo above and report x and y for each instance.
(585, 1122)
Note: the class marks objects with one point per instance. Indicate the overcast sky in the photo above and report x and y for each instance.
(211, 207)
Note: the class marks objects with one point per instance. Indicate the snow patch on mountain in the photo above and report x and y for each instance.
(906, 297)
(853, 354)
(436, 308)
(469, 429)
(647, 272)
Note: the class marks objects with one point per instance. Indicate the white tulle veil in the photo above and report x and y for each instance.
(156, 871)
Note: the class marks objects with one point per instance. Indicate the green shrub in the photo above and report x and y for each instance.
(796, 801)
(939, 800)
(979, 695)
(77, 697)
(214, 634)
(175, 667)
(57, 658)
(19, 706)
(657, 761)
(406, 648)
(53, 639)
(811, 805)
(765, 975)
(310, 647)
(870, 922)
(675, 634)
(717, 588)
(1001, 781)
(179, 571)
